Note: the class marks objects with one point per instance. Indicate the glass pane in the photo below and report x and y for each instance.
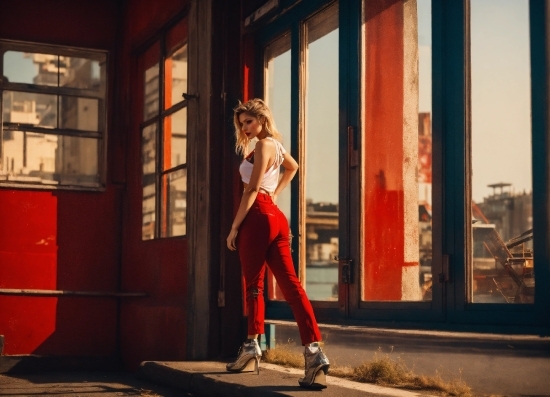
(81, 73)
(277, 96)
(151, 92)
(321, 158)
(424, 165)
(49, 159)
(175, 139)
(79, 113)
(397, 170)
(31, 68)
(148, 159)
(501, 269)
(39, 110)
(77, 160)
(176, 77)
(174, 188)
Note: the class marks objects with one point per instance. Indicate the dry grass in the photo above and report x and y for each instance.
(381, 370)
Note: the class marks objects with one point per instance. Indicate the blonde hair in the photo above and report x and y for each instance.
(258, 109)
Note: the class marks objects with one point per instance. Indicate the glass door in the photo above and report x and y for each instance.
(301, 86)
(400, 224)
(357, 117)
(320, 162)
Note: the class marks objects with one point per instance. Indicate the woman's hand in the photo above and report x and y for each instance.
(231, 239)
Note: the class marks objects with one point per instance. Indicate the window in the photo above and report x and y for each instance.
(501, 266)
(163, 69)
(397, 173)
(53, 116)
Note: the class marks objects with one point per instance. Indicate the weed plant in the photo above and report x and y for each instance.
(381, 370)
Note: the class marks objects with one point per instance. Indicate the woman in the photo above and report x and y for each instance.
(261, 235)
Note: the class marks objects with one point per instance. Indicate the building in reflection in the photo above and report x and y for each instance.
(53, 159)
(30, 155)
(510, 212)
(424, 179)
(321, 250)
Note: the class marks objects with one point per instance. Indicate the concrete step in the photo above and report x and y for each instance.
(210, 378)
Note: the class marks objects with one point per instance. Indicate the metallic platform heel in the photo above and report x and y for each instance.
(317, 366)
(248, 359)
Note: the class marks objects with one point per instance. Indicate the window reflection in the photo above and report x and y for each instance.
(54, 70)
(175, 67)
(80, 73)
(148, 157)
(31, 68)
(39, 110)
(151, 92)
(277, 96)
(49, 159)
(79, 113)
(501, 267)
(175, 203)
(424, 165)
(321, 165)
(175, 139)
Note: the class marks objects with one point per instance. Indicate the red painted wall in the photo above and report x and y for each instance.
(152, 328)
(60, 239)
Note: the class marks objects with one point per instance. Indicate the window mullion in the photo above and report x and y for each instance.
(160, 143)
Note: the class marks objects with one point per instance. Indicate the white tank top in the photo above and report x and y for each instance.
(271, 176)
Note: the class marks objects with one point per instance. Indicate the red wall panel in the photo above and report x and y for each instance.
(61, 239)
(83, 23)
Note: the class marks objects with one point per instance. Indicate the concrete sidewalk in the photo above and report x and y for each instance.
(209, 378)
(490, 364)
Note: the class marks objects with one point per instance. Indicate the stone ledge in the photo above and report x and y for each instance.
(209, 378)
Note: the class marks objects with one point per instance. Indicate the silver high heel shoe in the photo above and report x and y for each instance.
(248, 358)
(317, 366)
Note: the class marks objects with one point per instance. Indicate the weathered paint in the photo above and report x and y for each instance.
(59, 239)
(391, 136)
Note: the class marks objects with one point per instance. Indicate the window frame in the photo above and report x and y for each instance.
(158, 119)
(101, 95)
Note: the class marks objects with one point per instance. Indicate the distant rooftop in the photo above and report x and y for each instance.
(500, 184)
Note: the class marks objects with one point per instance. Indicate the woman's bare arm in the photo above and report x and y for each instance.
(291, 166)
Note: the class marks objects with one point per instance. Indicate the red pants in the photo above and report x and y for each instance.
(264, 238)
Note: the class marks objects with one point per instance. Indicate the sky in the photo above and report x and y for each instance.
(501, 103)
(21, 69)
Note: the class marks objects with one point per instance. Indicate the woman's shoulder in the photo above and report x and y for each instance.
(266, 144)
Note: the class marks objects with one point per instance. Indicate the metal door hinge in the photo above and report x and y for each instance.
(346, 266)
(444, 276)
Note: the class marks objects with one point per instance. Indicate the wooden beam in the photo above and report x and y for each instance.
(58, 293)
(198, 183)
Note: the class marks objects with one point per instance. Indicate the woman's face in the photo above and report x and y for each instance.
(251, 126)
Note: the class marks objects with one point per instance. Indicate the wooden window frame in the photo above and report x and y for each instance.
(159, 119)
(100, 95)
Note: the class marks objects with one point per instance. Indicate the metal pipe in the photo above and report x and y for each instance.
(53, 293)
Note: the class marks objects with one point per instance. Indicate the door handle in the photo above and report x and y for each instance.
(346, 266)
